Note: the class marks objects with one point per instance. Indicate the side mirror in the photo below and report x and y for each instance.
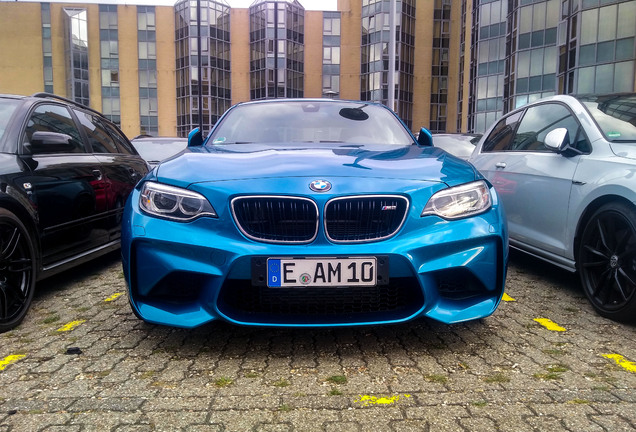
(195, 138)
(50, 142)
(558, 141)
(425, 138)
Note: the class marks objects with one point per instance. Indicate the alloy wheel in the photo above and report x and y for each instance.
(16, 272)
(608, 262)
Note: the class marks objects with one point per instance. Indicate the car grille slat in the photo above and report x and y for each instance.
(276, 219)
(244, 302)
(364, 218)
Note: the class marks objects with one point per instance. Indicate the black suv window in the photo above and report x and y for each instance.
(55, 118)
(99, 139)
(122, 142)
(7, 108)
(541, 119)
(501, 137)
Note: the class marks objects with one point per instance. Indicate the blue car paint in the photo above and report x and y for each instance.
(211, 246)
(219, 163)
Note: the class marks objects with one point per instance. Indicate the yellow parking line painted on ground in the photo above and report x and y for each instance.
(549, 324)
(373, 400)
(113, 297)
(507, 298)
(10, 360)
(620, 360)
(70, 326)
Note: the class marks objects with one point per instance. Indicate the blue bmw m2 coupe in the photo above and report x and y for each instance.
(313, 212)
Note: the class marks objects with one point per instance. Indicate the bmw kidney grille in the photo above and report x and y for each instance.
(279, 219)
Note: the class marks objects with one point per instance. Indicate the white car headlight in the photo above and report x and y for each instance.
(459, 202)
(173, 203)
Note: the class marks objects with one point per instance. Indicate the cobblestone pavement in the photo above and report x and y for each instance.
(81, 361)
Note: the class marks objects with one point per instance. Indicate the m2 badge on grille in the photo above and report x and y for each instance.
(320, 271)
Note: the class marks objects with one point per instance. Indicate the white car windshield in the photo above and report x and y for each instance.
(311, 121)
(615, 115)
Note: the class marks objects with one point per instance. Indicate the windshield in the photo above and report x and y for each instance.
(7, 107)
(160, 149)
(615, 115)
(311, 121)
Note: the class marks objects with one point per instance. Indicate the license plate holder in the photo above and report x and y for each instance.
(312, 271)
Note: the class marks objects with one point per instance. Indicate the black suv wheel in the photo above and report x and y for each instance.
(17, 275)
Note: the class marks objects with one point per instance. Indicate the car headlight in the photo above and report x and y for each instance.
(460, 201)
(173, 203)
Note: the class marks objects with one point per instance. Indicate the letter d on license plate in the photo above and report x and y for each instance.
(294, 272)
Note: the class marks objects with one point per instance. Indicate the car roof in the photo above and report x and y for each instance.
(54, 97)
(12, 96)
(574, 97)
(308, 100)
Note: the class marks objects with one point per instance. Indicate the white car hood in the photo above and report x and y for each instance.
(625, 150)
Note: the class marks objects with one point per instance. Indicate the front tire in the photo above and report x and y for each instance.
(17, 270)
(607, 261)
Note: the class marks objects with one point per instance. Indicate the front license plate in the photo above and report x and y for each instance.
(289, 272)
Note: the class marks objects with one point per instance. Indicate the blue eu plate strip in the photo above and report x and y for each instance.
(273, 273)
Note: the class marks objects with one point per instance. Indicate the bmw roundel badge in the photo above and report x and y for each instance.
(320, 185)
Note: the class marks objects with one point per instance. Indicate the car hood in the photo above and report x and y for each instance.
(250, 161)
(625, 150)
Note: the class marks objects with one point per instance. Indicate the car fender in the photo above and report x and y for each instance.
(616, 184)
(15, 190)
(22, 208)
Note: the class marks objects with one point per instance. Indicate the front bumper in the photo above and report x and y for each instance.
(188, 274)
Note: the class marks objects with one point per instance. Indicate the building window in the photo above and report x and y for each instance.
(215, 64)
(277, 33)
(374, 60)
(605, 49)
(439, 73)
(109, 60)
(47, 50)
(488, 57)
(147, 63)
(76, 54)
(331, 54)
(536, 56)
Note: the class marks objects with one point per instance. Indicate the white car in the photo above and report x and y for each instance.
(565, 170)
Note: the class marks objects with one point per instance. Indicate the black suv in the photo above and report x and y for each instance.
(65, 174)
